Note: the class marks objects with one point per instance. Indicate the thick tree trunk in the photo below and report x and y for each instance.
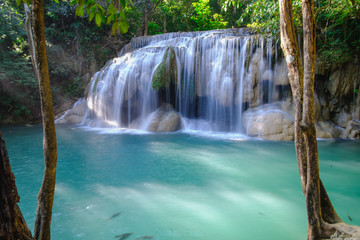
(12, 223)
(46, 194)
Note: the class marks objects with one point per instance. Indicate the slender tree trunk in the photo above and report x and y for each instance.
(164, 24)
(12, 223)
(146, 23)
(312, 195)
(30, 36)
(46, 194)
(318, 204)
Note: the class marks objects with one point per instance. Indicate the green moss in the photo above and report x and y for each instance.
(165, 72)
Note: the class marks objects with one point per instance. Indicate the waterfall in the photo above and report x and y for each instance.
(212, 79)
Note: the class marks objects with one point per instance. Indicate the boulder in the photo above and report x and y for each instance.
(327, 130)
(352, 130)
(269, 123)
(164, 119)
(343, 118)
(74, 115)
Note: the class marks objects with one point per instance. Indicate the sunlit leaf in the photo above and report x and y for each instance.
(124, 26)
(98, 19)
(109, 19)
(114, 28)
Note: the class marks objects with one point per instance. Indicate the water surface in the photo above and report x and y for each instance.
(185, 186)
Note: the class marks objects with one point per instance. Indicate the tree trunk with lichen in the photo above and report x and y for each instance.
(46, 194)
(12, 223)
(322, 217)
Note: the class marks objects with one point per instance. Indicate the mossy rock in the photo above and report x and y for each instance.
(165, 72)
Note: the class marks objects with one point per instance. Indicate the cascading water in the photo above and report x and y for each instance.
(210, 81)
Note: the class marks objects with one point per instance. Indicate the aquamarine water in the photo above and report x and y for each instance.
(185, 186)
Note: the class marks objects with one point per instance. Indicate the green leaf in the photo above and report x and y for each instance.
(109, 19)
(110, 8)
(91, 16)
(122, 15)
(79, 11)
(114, 28)
(73, 2)
(98, 19)
(18, 2)
(57, 1)
(124, 26)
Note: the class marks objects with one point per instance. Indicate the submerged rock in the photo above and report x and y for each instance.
(164, 119)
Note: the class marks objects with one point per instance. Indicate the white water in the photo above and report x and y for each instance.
(219, 74)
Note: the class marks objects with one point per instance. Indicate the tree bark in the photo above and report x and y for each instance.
(30, 36)
(146, 23)
(312, 195)
(318, 205)
(46, 194)
(164, 24)
(12, 223)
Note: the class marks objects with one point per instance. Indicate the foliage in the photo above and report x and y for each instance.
(176, 13)
(165, 72)
(12, 32)
(154, 28)
(9, 106)
(263, 16)
(204, 18)
(17, 70)
(338, 31)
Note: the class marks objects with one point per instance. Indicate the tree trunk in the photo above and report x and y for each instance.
(164, 24)
(46, 194)
(30, 36)
(318, 204)
(146, 23)
(12, 223)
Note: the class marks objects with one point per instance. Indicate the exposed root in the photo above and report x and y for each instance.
(339, 231)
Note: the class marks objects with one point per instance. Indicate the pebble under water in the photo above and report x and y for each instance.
(119, 184)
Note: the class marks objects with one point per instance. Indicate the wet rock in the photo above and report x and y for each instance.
(352, 130)
(281, 73)
(343, 119)
(165, 72)
(342, 80)
(74, 115)
(164, 119)
(269, 123)
(327, 130)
